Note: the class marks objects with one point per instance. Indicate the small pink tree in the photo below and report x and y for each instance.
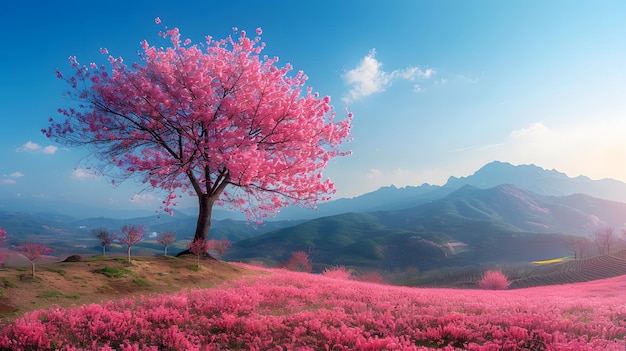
(494, 280)
(104, 237)
(33, 251)
(130, 235)
(166, 239)
(3, 239)
(299, 261)
(198, 247)
(220, 246)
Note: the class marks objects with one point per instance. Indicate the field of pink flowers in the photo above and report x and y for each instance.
(298, 311)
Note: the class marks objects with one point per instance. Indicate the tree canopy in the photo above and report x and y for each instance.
(214, 120)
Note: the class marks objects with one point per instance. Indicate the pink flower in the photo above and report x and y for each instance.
(157, 20)
(259, 31)
(104, 51)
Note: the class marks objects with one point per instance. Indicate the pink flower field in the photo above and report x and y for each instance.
(298, 311)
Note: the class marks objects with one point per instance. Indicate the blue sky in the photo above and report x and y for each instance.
(438, 88)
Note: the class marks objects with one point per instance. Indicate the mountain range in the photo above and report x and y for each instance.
(528, 177)
(501, 213)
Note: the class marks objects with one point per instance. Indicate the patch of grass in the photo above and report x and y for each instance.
(8, 283)
(113, 272)
(48, 294)
(21, 269)
(141, 282)
(194, 267)
(105, 288)
(55, 270)
(27, 277)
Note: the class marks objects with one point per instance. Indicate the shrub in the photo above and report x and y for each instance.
(372, 277)
(299, 262)
(494, 280)
(338, 272)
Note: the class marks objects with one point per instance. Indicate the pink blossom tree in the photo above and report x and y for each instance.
(166, 239)
(33, 251)
(200, 119)
(104, 237)
(130, 235)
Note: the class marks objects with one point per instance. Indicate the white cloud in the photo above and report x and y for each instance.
(6, 181)
(82, 173)
(536, 129)
(368, 77)
(17, 174)
(374, 173)
(144, 200)
(50, 149)
(34, 147)
(30, 146)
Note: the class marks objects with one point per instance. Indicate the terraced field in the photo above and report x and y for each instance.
(574, 271)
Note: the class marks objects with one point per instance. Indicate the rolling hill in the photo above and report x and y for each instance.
(468, 227)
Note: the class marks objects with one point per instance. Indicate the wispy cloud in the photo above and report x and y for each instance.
(82, 173)
(34, 147)
(535, 129)
(144, 200)
(369, 78)
(8, 180)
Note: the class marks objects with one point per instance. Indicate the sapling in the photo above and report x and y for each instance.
(166, 239)
(130, 235)
(33, 251)
(104, 237)
(198, 247)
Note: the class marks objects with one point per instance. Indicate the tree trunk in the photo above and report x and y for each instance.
(203, 225)
(129, 254)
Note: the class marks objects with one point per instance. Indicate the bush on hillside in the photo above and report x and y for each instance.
(494, 280)
(338, 272)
